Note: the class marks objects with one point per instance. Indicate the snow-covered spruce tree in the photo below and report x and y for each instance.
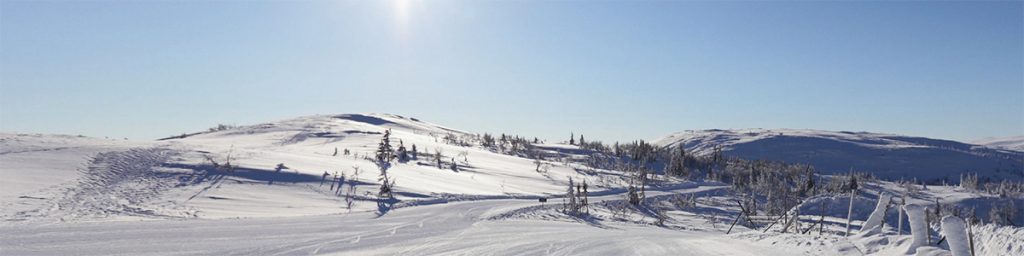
(677, 163)
(487, 141)
(415, 154)
(403, 155)
(571, 206)
(1003, 212)
(384, 156)
(808, 187)
(637, 184)
(572, 139)
(969, 181)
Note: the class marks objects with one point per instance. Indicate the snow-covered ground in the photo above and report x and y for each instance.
(73, 195)
(885, 155)
(1015, 143)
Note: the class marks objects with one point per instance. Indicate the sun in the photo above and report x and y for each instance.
(402, 11)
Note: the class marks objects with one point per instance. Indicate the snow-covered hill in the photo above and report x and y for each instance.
(885, 155)
(75, 195)
(1015, 143)
(176, 177)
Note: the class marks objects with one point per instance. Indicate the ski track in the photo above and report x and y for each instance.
(450, 229)
(114, 183)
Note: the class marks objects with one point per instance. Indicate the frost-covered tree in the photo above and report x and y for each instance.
(677, 163)
(438, 155)
(572, 139)
(488, 140)
(572, 206)
(1004, 212)
(384, 156)
(969, 181)
(853, 183)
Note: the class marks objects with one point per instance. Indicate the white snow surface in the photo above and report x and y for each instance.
(74, 195)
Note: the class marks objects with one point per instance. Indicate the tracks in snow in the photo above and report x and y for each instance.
(118, 183)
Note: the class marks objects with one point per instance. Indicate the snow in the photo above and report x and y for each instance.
(884, 155)
(875, 220)
(918, 226)
(89, 196)
(992, 240)
(954, 229)
(451, 229)
(36, 168)
(1015, 143)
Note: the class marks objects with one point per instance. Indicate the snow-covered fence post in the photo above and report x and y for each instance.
(875, 220)
(849, 213)
(918, 227)
(956, 235)
(928, 229)
(970, 236)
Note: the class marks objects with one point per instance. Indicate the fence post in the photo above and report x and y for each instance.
(849, 213)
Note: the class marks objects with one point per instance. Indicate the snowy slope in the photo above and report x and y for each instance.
(36, 167)
(174, 178)
(75, 195)
(1015, 143)
(885, 155)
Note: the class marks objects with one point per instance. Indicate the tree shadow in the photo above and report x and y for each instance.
(204, 172)
(384, 205)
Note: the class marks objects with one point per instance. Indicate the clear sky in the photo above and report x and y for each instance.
(614, 70)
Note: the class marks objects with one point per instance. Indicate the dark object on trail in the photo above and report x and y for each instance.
(543, 200)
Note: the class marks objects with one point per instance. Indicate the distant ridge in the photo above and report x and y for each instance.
(886, 155)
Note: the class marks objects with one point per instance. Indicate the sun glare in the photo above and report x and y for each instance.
(401, 11)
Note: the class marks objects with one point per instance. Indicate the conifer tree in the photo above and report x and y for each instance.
(570, 194)
(402, 154)
(384, 156)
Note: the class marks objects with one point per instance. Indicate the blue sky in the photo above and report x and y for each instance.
(610, 70)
